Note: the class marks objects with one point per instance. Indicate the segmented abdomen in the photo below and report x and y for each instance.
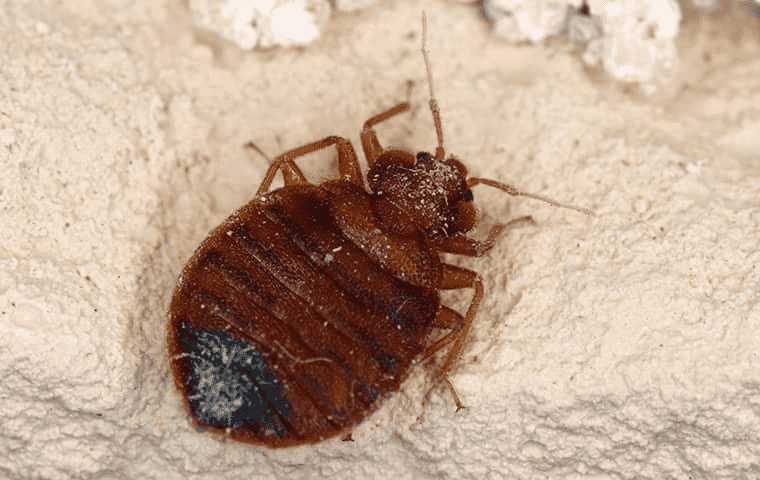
(282, 329)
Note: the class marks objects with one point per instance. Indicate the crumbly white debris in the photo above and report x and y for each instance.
(262, 23)
(633, 40)
(221, 389)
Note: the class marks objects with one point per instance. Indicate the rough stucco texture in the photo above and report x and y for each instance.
(618, 346)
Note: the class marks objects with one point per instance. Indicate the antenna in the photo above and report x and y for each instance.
(440, 153)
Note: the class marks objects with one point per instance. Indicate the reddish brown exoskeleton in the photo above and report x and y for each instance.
(306, 308)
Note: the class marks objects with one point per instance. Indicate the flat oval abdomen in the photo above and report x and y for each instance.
(285, 332)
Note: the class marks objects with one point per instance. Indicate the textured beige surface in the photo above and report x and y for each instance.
(619, 346)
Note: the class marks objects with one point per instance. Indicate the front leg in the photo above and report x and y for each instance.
(461, 245)
(370, 144)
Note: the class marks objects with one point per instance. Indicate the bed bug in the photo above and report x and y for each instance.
(310, 305)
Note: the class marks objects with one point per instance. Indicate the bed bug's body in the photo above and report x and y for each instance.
(335, 331)
(322, 288)
(299, 314)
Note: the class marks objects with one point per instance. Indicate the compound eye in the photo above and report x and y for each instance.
(424, 156)
(468, 196)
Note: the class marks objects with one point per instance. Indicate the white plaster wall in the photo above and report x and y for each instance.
(619, 346)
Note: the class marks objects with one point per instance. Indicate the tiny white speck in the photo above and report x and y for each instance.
(42, 28)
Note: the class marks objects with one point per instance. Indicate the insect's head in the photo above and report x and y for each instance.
(429, 193)
(422, 194)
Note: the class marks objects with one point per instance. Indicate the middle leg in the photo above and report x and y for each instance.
(348, 164)
(453, 278)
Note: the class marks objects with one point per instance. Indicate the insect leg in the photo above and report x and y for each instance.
(370, 144)
(348, 164)
(454, 278)
(291, 174)
(462, 245)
